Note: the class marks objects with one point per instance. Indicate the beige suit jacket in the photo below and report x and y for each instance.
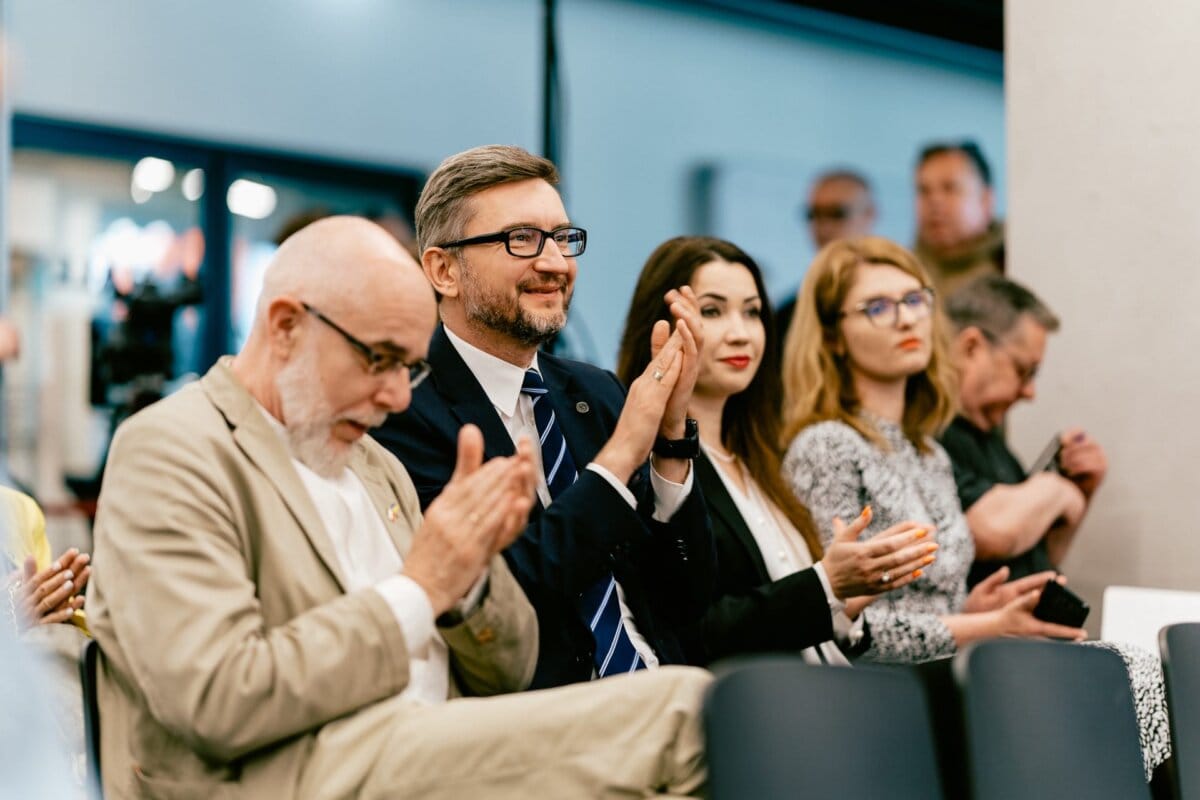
(228, 637)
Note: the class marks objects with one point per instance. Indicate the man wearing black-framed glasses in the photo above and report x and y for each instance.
(1023, 522)
(267, 575)
(618, 552)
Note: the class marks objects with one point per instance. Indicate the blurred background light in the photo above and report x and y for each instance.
(193, 184)
(153, 174)
(251, 199)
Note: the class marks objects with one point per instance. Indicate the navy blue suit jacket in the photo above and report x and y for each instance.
(666, 570)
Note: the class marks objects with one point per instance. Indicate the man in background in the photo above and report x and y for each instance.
(840, 206)
(1020, 521)
(958, 237)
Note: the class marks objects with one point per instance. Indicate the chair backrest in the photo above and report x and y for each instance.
(1134, 615)
(1049, 720)
(780, 728)
(88, 658)
(1180, 648)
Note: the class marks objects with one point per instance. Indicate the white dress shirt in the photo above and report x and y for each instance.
(501, 382)
(784, 553)
(368, 559)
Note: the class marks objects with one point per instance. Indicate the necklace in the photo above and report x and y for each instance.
(728, 458)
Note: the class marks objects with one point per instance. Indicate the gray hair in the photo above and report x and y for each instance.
(443, 211)
(995, 304)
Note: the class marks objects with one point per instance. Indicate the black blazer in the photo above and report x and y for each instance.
(752, 613)
(665, 569)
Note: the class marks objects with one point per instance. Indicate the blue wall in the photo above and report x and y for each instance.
(653, 91)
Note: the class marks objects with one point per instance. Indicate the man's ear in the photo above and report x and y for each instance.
(969, 343)
(989, 202)
(284, 316)
(442, 270)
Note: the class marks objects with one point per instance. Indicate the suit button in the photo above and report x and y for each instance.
(485, 635)
(582, 407)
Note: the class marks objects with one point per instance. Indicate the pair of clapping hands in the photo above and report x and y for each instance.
(860, 571)
(484, 507)
(51, 595)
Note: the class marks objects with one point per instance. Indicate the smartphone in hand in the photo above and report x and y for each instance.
(1048, 460)
(1060, 605)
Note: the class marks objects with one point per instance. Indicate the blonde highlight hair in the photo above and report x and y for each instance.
(817, 385)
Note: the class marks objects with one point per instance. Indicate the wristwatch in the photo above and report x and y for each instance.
(687, 447)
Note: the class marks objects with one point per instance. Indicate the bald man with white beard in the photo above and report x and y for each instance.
(278, 620)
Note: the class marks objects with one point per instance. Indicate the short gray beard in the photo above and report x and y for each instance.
(308, 416)
(504, 315)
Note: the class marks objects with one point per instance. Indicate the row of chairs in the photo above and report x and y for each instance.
(1003, 719)
(1008, 718)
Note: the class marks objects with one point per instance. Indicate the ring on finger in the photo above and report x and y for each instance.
(886, 578)
(658, 374)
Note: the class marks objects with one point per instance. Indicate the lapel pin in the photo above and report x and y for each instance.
(582, 407)
(393, 512)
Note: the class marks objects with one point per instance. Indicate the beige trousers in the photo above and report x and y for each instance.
(630, 736)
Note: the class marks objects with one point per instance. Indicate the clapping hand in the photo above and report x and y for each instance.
(54, 594)
(482, 510)
(889, 560)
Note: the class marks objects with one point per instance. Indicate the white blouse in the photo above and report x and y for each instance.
(782, 547)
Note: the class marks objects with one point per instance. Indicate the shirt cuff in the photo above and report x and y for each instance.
(474, 596)
(847, 632)
(836, 606)
(410, 605)
(621, 488)
(668, 495)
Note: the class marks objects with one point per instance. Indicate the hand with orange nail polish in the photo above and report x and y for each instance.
(886, 561)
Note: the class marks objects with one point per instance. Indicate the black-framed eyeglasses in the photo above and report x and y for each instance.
(885, 311)
(833, 213)
(378, 361)
(528, 242)
(1026, 373)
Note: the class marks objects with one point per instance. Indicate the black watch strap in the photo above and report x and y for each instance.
(687, 447)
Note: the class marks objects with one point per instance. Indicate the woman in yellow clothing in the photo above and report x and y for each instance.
(38, 591)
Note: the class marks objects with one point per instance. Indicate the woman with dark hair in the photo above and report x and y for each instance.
(778, 589)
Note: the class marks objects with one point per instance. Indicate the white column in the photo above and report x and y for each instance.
(1104, 213)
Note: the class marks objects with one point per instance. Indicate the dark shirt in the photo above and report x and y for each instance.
(981, 460)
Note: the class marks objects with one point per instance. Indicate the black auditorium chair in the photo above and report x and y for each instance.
(1049, 720)
(779, 728)
(91, 710)
(1180, 648)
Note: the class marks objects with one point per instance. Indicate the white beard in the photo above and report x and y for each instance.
(309, 418)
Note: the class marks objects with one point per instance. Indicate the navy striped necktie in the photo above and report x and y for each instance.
(615, 652)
